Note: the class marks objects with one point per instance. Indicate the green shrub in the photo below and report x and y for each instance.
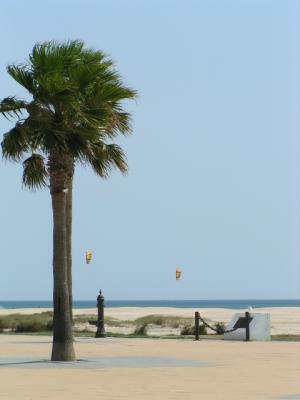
(220, 327)
(8, 322)
(164, 320)
(49, 325)
(2, 325)
(30, 325)
(92, 320)
(27, 323)
(191, 330)
(151, 319)
(141, 330)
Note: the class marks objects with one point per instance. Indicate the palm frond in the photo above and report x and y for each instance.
(115, 91)
(54, 57)
(78, 145)
(22, 75)
(117, 156)
(35, 173)
(15, 143)
(78, 104)
(12, 107)
(118, 123)
(103, 158)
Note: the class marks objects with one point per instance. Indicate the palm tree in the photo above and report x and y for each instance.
(75, 112)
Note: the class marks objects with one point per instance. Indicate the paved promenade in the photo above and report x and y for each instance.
(141, 369)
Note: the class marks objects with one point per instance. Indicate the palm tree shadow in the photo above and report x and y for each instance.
(36, 362)
(22, 362)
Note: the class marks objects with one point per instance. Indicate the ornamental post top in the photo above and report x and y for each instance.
(100, 296)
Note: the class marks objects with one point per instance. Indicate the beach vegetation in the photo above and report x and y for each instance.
(190, 330)
(151, 319)
(91, 319)
(38, 322)
(220, 328)
(42, 322)
(164, 320)
(141, 330)
(286, 337)
(74, 113)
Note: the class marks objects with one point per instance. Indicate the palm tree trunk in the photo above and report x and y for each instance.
(62, 348)
(69, 202)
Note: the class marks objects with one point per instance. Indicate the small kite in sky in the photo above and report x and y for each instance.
(88, 256)
(178, 274)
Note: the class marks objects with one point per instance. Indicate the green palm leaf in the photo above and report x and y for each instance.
(103, 158)
(22, 75)
(12, 107)
(15, 143)
(35, 175)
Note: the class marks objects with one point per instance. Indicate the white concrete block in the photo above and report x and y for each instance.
(260, 327)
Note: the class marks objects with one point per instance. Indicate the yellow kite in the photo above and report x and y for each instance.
(88, 256)
(178, 274)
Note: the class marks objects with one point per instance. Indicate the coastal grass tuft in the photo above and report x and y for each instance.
(27, 323)
(286, 337)
(220, 327)
(92, 319)
(141, 330)
(163, 320)
(42, 322)
(153, 319)
(190, 330)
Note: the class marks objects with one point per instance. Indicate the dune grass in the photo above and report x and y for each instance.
(27, 323)
(110, 321)
(152, 319)
(286, 338)
(41, 324)
(163, 320)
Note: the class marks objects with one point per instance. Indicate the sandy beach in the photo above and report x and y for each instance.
(156, 369)
(284, 320)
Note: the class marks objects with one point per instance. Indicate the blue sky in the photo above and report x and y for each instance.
(213, 186)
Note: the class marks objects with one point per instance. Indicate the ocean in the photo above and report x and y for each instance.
(232, 304)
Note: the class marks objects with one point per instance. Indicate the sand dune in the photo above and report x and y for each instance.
(284, 320)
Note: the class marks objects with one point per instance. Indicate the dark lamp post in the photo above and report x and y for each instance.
(100, 322)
